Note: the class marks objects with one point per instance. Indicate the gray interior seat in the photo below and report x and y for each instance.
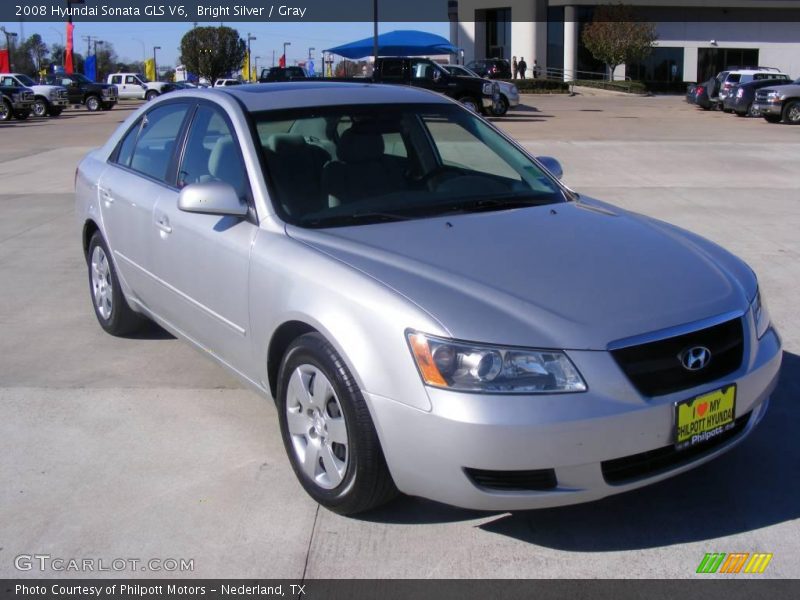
(295, 170)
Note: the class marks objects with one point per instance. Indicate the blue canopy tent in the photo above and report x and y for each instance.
(398, 43)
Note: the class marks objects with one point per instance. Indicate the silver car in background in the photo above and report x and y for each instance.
(431, 309)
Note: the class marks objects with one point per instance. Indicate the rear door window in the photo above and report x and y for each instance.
(155, 144)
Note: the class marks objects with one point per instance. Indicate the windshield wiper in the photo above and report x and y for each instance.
(501, 203)
(354, 219)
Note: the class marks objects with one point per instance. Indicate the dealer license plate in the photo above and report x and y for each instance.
(702, 418)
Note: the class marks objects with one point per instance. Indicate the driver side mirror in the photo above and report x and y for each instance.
(211, 198)
(552, 165)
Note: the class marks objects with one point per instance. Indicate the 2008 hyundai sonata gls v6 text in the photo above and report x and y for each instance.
(432, 310)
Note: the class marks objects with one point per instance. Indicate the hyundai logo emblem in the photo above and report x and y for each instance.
(696, 358)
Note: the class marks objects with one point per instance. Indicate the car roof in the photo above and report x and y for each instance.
(299, 94)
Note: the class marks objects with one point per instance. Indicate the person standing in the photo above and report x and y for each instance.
(523, 66)
(537, 70)
(514, 67)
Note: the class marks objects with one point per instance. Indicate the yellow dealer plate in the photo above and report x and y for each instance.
(702, 418)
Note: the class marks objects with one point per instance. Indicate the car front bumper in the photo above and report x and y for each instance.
(573, 434)
(768, 108)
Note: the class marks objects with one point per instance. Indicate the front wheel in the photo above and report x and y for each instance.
(112, 310)
(93, 104)
(327, 430)
(791, 112)
(41, 107)
(500, 107)
(470, 103)
(151, 95)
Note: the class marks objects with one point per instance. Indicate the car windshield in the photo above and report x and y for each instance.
(358, 164)
(25, 80)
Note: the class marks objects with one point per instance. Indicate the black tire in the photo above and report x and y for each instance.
(22, 115)
(791, 112)
(151, 95)
(121, 319)
(501, 107)
(366, 482)
(108, 105)
(6, 112)
(93, 103)
(771, 118)
(55, 112)
(470, 102)
(41, 107)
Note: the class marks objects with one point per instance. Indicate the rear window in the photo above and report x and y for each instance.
(734, 78)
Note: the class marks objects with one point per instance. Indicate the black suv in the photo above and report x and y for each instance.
(82, 90)
(282, 74)
(493, 68)
(16, 102)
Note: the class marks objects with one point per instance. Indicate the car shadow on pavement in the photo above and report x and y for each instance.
(151, 331)
(755, 485)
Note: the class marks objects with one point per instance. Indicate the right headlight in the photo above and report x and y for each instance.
(468, 367)
(760, 314)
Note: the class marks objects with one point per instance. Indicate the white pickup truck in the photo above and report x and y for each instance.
(135, 86)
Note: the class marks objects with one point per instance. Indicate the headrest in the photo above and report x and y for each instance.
(285, 142)
(359, 146)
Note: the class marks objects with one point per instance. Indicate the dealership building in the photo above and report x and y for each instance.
(696, 38)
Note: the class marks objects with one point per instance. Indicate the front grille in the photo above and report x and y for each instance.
(62, 94)
(761, 95)
(509, 481)
(655, 368)
(650, 463)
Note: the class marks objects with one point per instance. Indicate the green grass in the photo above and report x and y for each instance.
(540, 86)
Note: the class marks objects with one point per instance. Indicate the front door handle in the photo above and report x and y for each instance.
(163, 224)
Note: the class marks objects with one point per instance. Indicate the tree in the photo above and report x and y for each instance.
(212, 52)
(615, 36)
(106, 60)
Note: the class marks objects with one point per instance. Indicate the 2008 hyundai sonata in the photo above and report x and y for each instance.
(433, 311)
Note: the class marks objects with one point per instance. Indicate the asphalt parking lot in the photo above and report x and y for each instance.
(141, 448)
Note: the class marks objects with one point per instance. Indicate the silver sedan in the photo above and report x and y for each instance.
(431, 309)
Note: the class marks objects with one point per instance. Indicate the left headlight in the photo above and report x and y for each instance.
(467, 367)
(760, 314)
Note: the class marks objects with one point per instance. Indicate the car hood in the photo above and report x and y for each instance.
(43, 88)
(577, 275)
(787, 88)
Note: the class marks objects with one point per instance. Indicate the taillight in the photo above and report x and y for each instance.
(699, 89)
(739, 93)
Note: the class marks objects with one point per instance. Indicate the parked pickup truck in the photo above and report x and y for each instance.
(282, 74)
(778, 103)
(82, 90)
(477, 94)
(15, 101)
(48, 99)
(135, 86)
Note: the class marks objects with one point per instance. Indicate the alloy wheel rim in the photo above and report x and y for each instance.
(92, 103)
(39, 109)
(794, 114)
(101, 283)
(317, 427)
(5, 111)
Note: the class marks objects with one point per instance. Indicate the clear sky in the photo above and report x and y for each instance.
(134, 41)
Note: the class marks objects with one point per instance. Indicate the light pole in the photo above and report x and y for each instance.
(285, 59)
(375, 33)
(155, 64)
(249, 70)
(257, 73)
(10, 35)
(144, 48)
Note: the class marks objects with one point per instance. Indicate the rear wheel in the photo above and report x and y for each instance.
(41, 107)
(327, 430)
(791, 112)
(6, 113)
(151, 95)
(93, 104)
(112, 310)
(470, 103)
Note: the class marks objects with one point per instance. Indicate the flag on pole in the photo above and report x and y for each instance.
(90, 67)
(68, 67)
(246, 69)
(150, 69)
(282, 61)
(5, 66)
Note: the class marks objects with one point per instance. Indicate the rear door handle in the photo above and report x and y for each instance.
(106, 195)
(163, 224)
